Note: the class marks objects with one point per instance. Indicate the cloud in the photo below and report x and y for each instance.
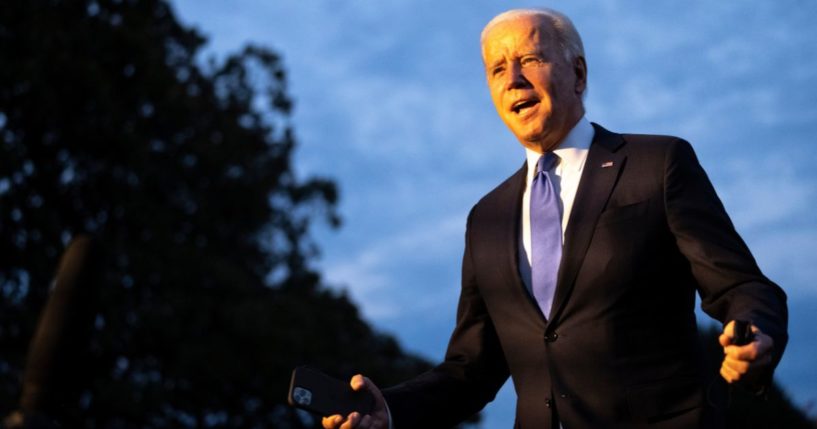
(375, 274)
(766, 194)
(772, 206)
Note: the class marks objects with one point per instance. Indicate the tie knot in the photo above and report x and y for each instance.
(547, 162)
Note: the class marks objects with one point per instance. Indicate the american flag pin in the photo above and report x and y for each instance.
(607, 164)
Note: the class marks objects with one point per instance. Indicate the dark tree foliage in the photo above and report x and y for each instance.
(182, 173)
(745, 408)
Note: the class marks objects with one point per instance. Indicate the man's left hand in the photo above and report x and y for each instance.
(748, 362)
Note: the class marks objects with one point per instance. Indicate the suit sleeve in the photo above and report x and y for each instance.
(473, 370)
(730, 283)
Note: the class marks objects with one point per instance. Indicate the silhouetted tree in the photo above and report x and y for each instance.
(182, 173)
(745, 408)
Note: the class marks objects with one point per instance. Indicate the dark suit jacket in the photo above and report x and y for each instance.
(646, 232)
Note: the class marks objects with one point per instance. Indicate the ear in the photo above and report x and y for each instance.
(580, 70)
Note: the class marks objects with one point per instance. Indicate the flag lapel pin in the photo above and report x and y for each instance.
(607, 164)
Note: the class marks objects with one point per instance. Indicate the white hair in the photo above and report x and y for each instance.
(567, 37)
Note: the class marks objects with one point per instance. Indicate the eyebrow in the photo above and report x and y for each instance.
(494, 64)
(537, 52)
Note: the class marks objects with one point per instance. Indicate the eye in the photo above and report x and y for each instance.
(497, 70)
(530, 60)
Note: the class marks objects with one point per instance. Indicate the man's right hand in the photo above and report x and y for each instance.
(378, 419)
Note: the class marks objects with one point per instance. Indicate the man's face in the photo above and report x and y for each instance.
(536, 91)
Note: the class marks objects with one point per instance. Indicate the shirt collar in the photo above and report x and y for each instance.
(571, 150)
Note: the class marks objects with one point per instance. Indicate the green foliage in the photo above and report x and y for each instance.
(183, 173)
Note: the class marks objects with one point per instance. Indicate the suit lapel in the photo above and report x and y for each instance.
(511, 196)
(601, 170)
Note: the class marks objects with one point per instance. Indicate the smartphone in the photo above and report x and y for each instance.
(742, 333)
(316, 392)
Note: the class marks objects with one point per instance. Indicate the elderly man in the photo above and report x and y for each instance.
(580, 270)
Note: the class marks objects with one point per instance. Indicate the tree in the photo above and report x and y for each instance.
(746, 409)
(182, 173)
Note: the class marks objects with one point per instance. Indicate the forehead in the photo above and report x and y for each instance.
(521, 33)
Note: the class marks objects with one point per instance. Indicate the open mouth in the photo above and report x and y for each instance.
(522, 106)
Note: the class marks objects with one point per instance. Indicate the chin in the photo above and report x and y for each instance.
(537, 141)
(532, 146)
(533, 132)
(533, 138)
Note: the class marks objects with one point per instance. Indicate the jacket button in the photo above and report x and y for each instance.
(548, 402)
(551, 337)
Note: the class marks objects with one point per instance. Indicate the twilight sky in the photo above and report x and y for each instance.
(391, 103)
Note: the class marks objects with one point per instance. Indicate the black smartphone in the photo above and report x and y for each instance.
(742, 333)
(316, 392)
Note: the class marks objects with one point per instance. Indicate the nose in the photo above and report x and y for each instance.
(516, 79)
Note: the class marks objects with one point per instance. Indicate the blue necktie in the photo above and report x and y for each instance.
(546, 233)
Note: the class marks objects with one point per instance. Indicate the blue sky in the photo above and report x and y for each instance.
(391, 103)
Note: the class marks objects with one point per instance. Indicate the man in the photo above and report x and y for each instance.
(580, 270)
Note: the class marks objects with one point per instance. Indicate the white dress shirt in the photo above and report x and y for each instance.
(572, 153)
